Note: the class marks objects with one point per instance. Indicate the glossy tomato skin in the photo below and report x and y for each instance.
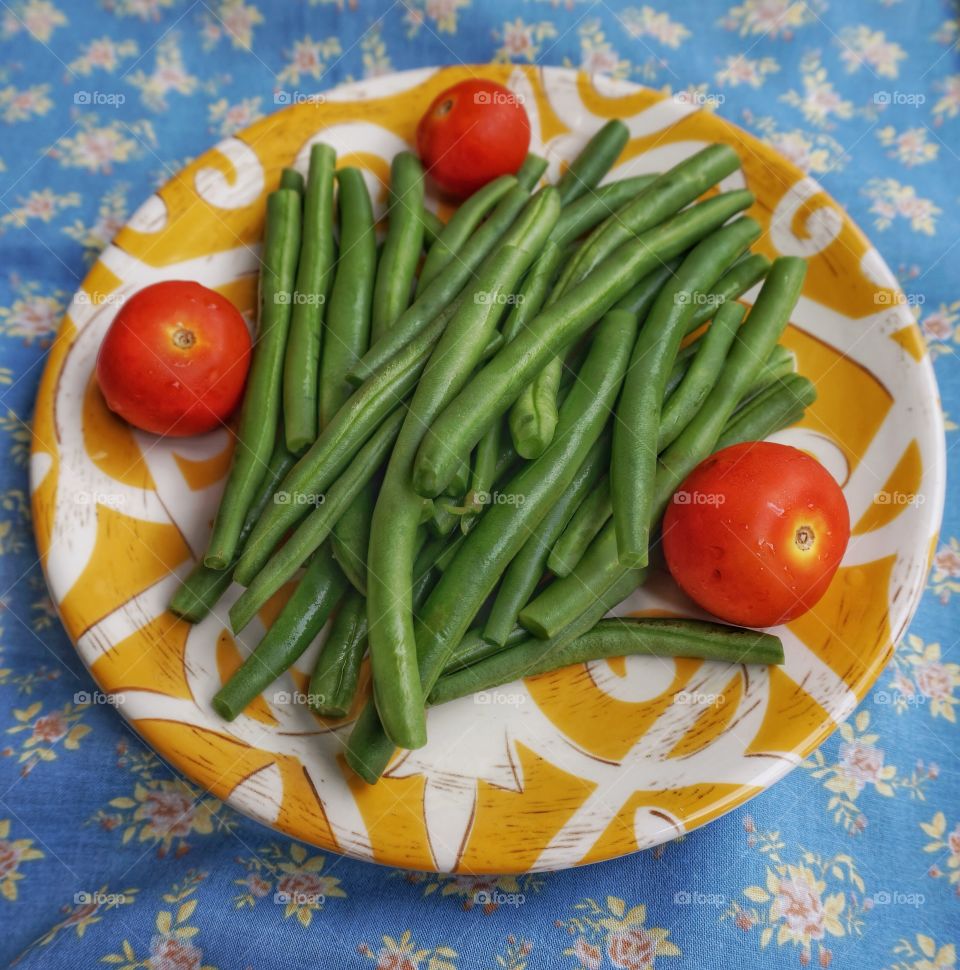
(175, 359)
(472, 133)
(756, 533)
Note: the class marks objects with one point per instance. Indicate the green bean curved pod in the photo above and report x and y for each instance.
(500, 532)
(474, 648)
(335, 446)
(533, 291)
(668, 194)
(290, 178)
(490, 392)
(445, 287)
(597, 158)
(396, 517)
(565, 599)
(780, 405)
(397, 268)
(701, 375)
(333, 684)
(314, 274)
(616, 637)
(199, 592)
(778, 365)
(260, 413)
(745, 273)
(525, 570)
(531, 171)
(634, 457)
(461, 226)
(589, 210)
(316, 527)
(350, 538)
(298, 623)
(587, 520)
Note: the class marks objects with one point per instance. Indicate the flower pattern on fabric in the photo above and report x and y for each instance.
(610, 934)
(13, 852)
(402, 953)
(946, 845)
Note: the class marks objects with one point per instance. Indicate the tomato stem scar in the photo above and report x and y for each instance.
(183, 339)
(804, 537)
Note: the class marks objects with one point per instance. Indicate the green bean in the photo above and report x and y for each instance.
(474, 647)
(401, 249)
(588, 519)
(616, 637)
(781, 404)
(701, 375)
(746, 272)
(533, 291)
(668, 194)
(348, 319)
(596, 159)
(526, 568)
(483, 475)
(348, 336)
(294, 629)
(261, 403)
(315, 528)
(634, 455)
(432, 227)
(600, 568)
(461, 225)
(779, 363)
(198, 593)
(336, 445)
(501, 531)
(589, 210)
(531, 171)
(290, 178)
(314, 274)
(490, 392)
(396, 516)
(333, 685)
(445, 287)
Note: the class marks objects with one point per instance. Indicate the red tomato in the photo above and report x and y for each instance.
(175, 359)
(472, 133)
(756, 532)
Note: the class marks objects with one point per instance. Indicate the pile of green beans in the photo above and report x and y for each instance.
(455, 462)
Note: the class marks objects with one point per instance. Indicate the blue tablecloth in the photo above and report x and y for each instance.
(854, 859)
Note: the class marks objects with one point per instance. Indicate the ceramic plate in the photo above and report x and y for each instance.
(580, 765)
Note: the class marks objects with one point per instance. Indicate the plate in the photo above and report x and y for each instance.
(572, 767)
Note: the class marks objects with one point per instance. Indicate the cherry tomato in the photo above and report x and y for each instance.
(756, 533)
(175, 359)
(472, 133)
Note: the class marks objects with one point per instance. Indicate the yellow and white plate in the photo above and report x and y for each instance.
(580, 765)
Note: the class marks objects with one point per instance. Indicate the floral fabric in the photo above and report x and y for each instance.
(109, 859)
